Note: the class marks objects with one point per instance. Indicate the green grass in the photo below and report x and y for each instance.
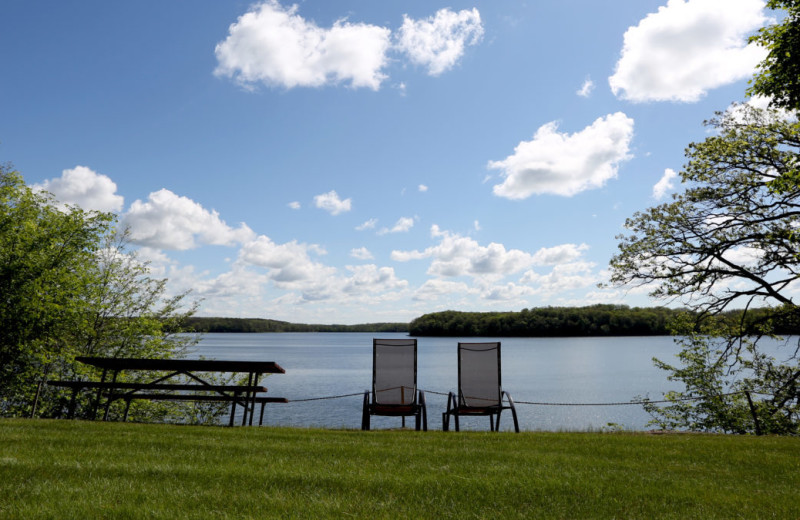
(73, 469)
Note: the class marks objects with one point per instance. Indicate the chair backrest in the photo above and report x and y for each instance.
(394, 371)
(479, 374)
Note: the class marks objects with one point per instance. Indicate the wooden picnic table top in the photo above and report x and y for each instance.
(191, 365)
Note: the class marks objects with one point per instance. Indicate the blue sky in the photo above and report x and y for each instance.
(364, 161)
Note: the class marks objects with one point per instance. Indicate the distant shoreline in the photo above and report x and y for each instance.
(602, 320)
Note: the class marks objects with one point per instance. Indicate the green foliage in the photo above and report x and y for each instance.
(778, 76)
(46, 254)
(69, 287)
(728, 239)
(731, 386)
(594, 320)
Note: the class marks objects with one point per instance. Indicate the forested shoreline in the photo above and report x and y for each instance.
(593, 320)
(212, 324)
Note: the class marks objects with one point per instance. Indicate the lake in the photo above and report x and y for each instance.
(534, 370)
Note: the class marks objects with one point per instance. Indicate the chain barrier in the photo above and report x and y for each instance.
(536, 403)
(324, 398)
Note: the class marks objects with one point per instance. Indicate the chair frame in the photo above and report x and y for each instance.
(456, 405)
(417, 408)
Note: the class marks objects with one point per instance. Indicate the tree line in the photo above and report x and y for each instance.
(203, 325)
(594, 320)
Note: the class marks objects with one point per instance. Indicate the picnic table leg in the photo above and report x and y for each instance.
(252, 399)
(261, 418)
(71, 411)
(127, 407)
(110, 395)
(233, 409)
(99, 394)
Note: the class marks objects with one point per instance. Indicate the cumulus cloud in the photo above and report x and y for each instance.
(403, 225)
(371, 279)
(560, 254)
(273, 45)
(422, 188)
(289, 262)
(331, 203)
(434, 289)
(687, 48)
(369, 224)
(508, 292)
(562, 278)
(665, 184)
(459, 256)
(438, 42)
(586, 89)
(168, 221)
(85, 188)
(566, 164)
(742, 112)
(294, 205)
(362, 253)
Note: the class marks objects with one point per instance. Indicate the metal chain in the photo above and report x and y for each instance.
(535, 403)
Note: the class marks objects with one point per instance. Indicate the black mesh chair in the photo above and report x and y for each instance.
(394, 383)
(479, 386)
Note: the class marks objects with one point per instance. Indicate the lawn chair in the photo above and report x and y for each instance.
(479, 388)
(394, 383)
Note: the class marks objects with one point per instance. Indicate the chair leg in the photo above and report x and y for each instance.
(365, 412)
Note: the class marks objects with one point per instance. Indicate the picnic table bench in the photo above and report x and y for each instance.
(245, 395)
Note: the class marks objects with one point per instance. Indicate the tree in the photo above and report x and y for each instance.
(45, 253)
(726, 241)
(69, 286)
(778, 76)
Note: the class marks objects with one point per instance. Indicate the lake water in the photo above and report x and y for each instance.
(534, 370)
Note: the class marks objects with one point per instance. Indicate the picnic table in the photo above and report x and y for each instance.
(164, 370)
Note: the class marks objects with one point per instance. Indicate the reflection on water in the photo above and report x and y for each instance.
(540, 370)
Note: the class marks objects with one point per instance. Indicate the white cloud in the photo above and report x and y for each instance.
(86, 188)
(289, 262)
(436, 288)
(741, 112)
(371, 279)
(586, 89)
(561, 254)
(274, 45)
(459, 256)
(687, 48)
(564, 164)
(507, 292)
(369, 224)
(665, 184)
(438, 42)
(331, 203)
(422, 188)
(362, 253)
(562, 278)
(403, 225)
(294, 205)
(168, 221)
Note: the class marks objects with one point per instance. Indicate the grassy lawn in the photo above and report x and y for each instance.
(73, 469)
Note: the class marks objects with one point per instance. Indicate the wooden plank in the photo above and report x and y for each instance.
(193, 397)
(157, 386)
(190, 365)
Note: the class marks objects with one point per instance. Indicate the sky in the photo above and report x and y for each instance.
(370, 161)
